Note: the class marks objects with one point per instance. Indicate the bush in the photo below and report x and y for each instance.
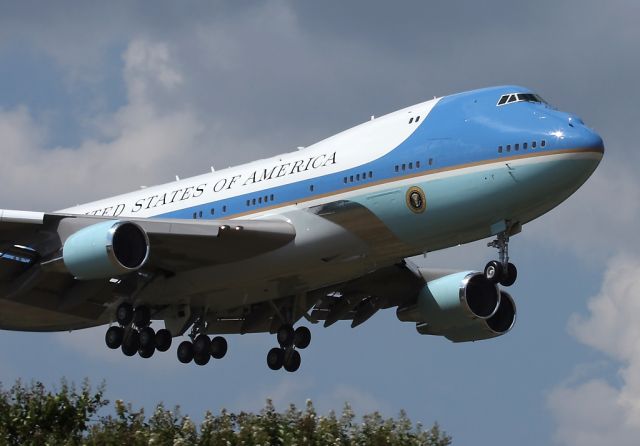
(31, 415)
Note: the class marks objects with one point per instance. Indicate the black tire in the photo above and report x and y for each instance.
(141, 316)
(185, 352)
(114, 336)
(302, 337)
(275, 358)
(124, 314)
(202, 345)
(146, 352)
(202, 358)
(285, 335)
(131, 343)
(163, 340)
(147, 338)
(218, 347)
(493, 271)
(510, 277)
(292, 360)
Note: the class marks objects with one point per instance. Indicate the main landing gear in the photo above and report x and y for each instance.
(501, 271)
(201, 348)
(133, 333)
(286, 355)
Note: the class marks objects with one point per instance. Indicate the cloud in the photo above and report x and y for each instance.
(140, 143)
(595, 411)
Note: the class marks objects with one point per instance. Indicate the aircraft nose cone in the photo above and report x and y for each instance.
(585, 138)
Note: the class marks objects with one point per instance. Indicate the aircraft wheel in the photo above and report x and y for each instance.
(302, 337)
(275, 358)
(201, 358)
(285, 335)
(510, 277)
(163, 340)
(201, 345)
(147, 338)
(124, 314)
(291, 360)
(131, 343)
(114, 336)
(493, 271)
(218, 347)
(185, 352)
(141, 316)
(146, 352)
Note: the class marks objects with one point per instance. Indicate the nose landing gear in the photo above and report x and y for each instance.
(501, 271)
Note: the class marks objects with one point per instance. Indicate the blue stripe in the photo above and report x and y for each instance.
(461, 129)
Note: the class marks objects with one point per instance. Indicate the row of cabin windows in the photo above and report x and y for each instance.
(416, 119)
(525, 146)
(198, 214)
(357, 177)
(411, 165)
(260, 200)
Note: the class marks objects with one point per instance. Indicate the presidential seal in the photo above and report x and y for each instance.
(416, 200)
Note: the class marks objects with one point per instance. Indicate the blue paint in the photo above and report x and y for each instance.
(461, 129)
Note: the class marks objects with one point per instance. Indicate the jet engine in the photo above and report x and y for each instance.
(453, 301)
(105, 249)
(500, 323)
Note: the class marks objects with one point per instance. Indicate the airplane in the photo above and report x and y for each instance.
(323, 233)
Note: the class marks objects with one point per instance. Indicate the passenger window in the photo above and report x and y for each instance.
(543, 143)
(499, 149)
(357, 177)
(417, 164)
(410, 165)
(517, 147)
(224, 208)
(397, 168)
(271, 197)
(508, 147)
(533, 144)
(431, 161)
(524, 146)
(417, 118)
(404, 167)
(410, 120)
(213, 211)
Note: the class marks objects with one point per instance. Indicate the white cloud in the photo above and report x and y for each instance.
(143, 142)
(596, 411)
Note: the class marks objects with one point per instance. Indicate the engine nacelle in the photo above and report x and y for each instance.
(500, 323)
(105, 249)
(452, 301)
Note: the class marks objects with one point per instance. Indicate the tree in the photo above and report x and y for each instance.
(31, 415)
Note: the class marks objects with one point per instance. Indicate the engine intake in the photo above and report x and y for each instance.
(105, 249)
(500, 323)
(452, 301)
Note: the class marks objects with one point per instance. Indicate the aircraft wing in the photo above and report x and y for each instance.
(32, 272)
(175, 244)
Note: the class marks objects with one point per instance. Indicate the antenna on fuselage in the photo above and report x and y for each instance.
(212, 169)
(177, 178)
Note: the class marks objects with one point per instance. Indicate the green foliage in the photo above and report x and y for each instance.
(31, 415)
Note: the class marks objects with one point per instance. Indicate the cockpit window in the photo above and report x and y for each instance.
(520, 97)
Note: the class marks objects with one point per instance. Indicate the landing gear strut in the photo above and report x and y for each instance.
(501, 271)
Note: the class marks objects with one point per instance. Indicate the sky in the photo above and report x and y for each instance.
(99, 98)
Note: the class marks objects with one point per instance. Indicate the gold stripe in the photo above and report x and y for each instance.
(415, 175)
